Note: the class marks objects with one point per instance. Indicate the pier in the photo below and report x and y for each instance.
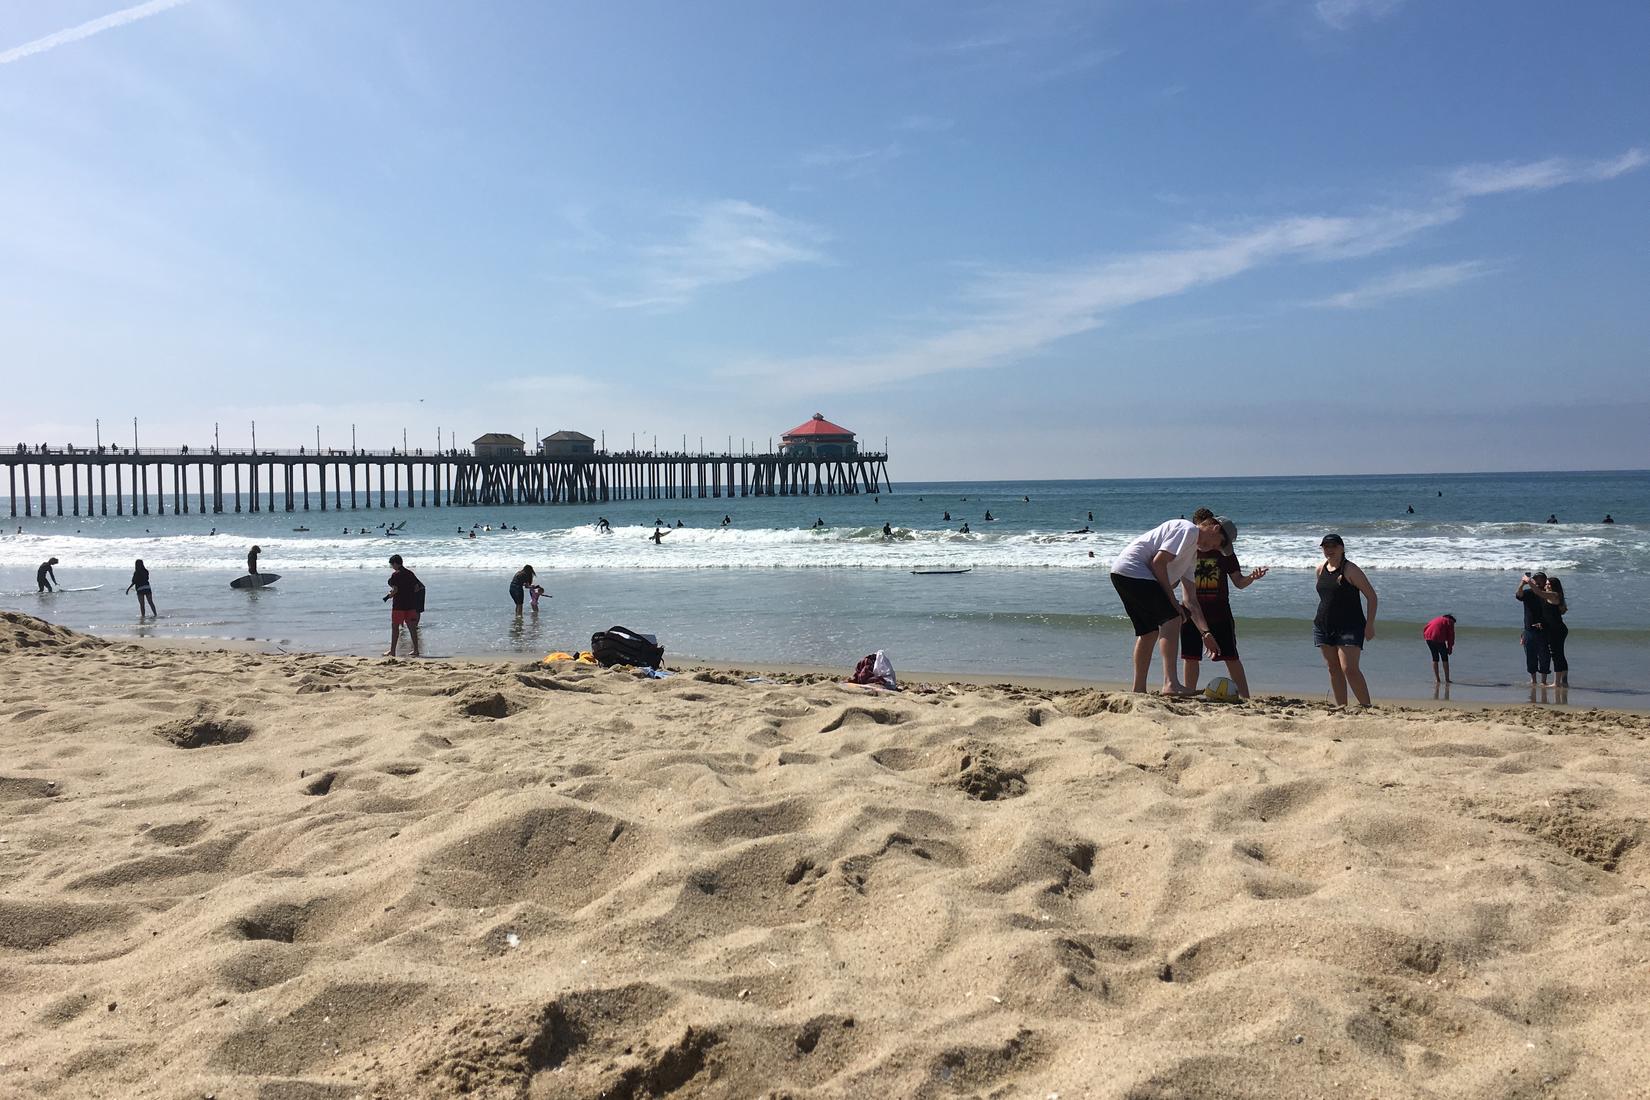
(81, 482)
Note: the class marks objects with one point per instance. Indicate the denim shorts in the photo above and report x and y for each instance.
(1353, 638)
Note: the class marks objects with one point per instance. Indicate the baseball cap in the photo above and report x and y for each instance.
(1332, 539)
(1228, 528)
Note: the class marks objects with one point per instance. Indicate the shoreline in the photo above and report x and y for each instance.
(825, 673)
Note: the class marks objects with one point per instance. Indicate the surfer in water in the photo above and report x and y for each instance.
(252, 560)
(658, 535)
(887, 531)
(44, 578)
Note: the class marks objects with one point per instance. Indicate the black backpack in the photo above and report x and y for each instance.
(619, 646)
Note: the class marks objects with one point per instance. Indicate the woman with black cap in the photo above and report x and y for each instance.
(1342, 626)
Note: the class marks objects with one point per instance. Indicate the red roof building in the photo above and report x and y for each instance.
(818, 437)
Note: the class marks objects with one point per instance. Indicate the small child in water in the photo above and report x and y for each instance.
(534, 591)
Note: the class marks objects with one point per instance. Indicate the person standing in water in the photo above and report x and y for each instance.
(1210, 576)
(44, 577)
(1553, 609)
(252, 560)
(1440, 639)
(1342, 626)
(518, 585)
(140, 581)
(1537, 657)
(407, 592)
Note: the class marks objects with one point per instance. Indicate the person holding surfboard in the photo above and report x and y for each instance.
(407, 592)
(252, 560)
(44, 577)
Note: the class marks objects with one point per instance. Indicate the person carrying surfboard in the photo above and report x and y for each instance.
(252, 560)
(44, 577)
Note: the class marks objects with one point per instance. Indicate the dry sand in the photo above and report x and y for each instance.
(305, 877)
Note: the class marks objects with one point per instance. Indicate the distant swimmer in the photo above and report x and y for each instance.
(252, 560)
(818, 523)
(678, 523)
(603, 526)
(1411, 509)
(1091, 517)
(727, 521)
(989, 518)
(887, 531)
(658, 535)
(948, 517)
(1026, 499)
(1552, 517)
(964, 528)
(1082, 531)
(44, 578)
(1608, 518)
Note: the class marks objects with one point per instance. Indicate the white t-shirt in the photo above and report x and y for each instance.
(1178, 537)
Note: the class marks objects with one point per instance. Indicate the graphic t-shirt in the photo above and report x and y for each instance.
(1213, 593)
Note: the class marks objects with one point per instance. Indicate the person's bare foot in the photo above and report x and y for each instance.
(389, 653)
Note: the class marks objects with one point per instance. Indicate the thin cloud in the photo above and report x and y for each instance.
(1542, 175)
(724, 242)
(86, 30)
(1341, 14)
(1015, 315)
(1405, 284)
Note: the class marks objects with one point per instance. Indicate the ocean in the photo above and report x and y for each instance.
(772, 588)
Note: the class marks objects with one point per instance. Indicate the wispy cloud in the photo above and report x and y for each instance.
(724, 242)
(86, 30)
(1341, 14)
(1407, 283)
(1542, 175)
(851, 162)
(1007, 317)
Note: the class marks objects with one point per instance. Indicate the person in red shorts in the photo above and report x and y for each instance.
(1210, 576)
(407, 592)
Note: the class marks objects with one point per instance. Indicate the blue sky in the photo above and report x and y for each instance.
(1027, 239)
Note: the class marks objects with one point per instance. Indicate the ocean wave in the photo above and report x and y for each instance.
(1493, 548)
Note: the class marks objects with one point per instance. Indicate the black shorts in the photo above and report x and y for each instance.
(1440, 650)
(1191, 641)
(1148, 606)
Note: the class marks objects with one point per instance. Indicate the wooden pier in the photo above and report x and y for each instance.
(293, 481)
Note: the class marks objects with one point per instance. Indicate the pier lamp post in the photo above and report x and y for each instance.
(352, 439)
(214, 437)
(134, 437)
(403, 441)
(254, 437)
(317, 439)
(97, 426)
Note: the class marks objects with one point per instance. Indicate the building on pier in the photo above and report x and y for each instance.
(498, 445)
(818, 438)
(564, 444)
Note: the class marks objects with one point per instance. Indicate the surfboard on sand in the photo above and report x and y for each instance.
(262, 580)
(938, 572)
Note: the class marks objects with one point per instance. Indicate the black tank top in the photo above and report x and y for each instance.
(1339, 608)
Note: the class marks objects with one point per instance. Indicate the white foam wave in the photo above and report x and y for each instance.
(802, 548)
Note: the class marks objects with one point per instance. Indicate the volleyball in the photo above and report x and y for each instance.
(1222, 690)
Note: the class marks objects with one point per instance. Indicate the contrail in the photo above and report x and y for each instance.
(86, 30)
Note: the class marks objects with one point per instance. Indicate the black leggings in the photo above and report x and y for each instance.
(1555, 646)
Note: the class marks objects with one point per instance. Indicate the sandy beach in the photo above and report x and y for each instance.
(237, 874)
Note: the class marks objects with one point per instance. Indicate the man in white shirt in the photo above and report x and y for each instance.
(1145, 575)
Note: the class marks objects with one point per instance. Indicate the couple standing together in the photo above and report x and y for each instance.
(1197, 556)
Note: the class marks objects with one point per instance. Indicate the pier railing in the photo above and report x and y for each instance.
(280, 480)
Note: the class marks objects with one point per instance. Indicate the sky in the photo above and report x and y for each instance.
(1024, 239)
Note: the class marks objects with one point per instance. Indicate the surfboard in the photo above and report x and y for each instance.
(938, 572)
(92, 588)
(262, 580)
